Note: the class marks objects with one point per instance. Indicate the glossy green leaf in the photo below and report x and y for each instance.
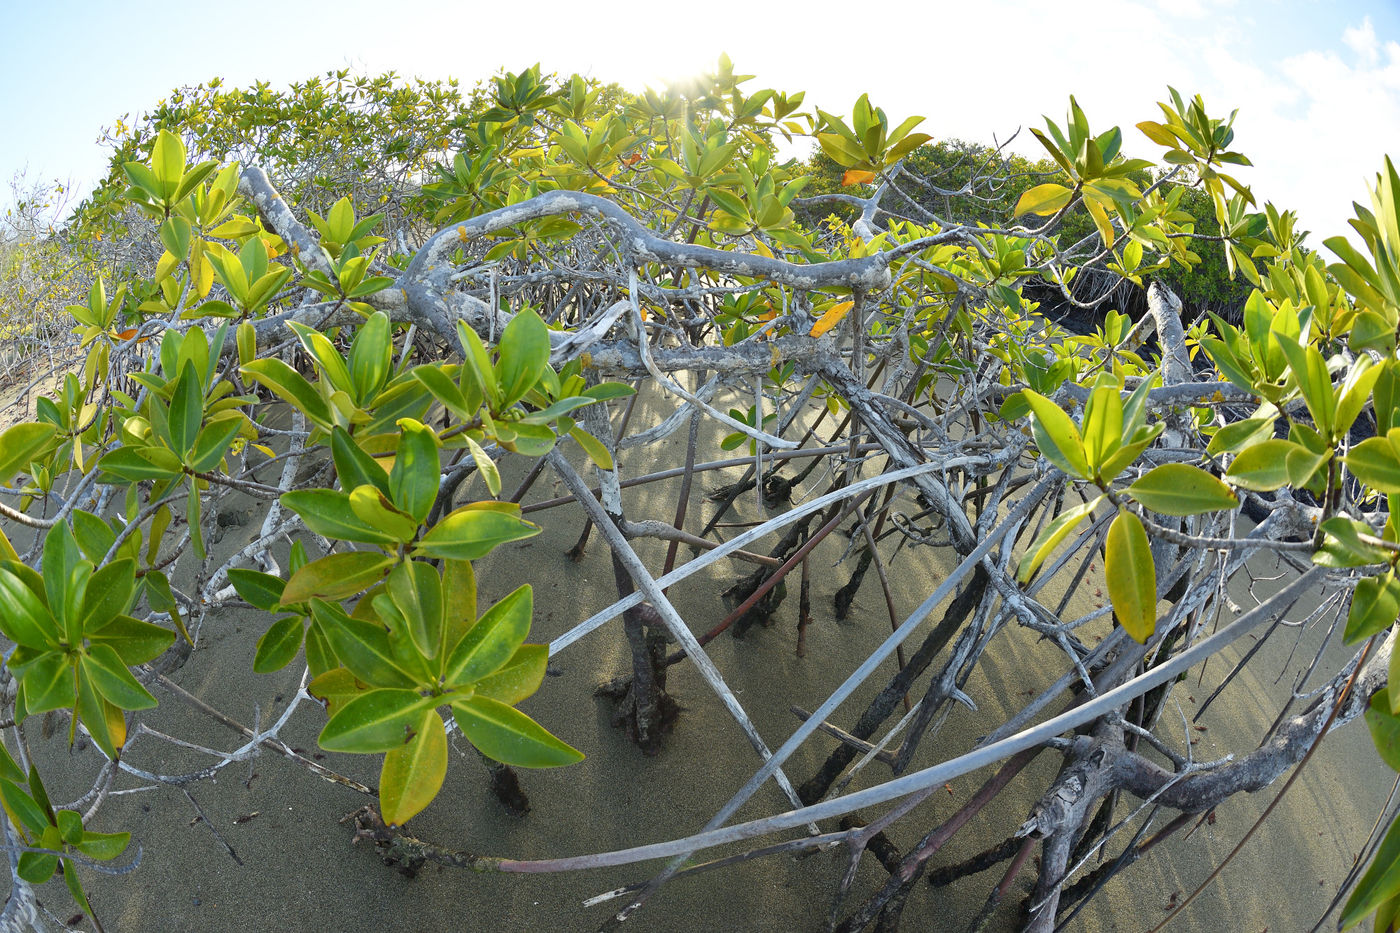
(509, 736)
(371, 357)
(415, 478)
(327, 357)
(524, 353)
(416, 589)
(337, 576)
(112, 679)
(291, 386)
(1374, 462)
(103, 846)
(1263, 467)
(474, 530)
(134, 641)
(1044, 199)
(413, 774)
(1241, 434)
(261, 590)
(1181, 489)
(24, 618)
(327, 512)
(1056, 436)
(134, 464)
(1380, 883)
(212, 443)
(1375, 605)
(362, 647)
(518, 678)
(1050, 538)
(1385, 728)
(596, 450)
(186, 410)
(493, 640)
(1131, 576)
(22, 444)
(376, 721)
(485, 466)
(353, 465)
(108, 594)
(1103, 424)
(374, 509)
(278, 645)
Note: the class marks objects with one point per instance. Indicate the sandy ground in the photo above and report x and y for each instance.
(260, 847)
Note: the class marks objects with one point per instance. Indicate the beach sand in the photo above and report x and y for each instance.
(261, 846)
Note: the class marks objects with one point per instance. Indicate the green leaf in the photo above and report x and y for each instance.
(474, 530)
(509, 736)
(1051, 537)
(112, 679)
(413, 774)
(1385, 728)
(1353, 394)
(518, 678)
(1263, 467)
(212, 443)
(186, 410)
(47, 682)
(278, 645)
(22, 444)
(492, 641)
(523, 354)
(371, 357)
(446, 391)
(1343, 546)
(1182, 489)
(362, 646)
(134, 464)
(291, 386)
(168, 162)
(108, 594)
(353, 465)
(1056, 436)
(1103, 424)
(1375, 463)
(1375, 605)
(262, 590)
(327, 512)
(337, 576)
(103, 846)
(24, 618)
(485, 466)
(374, 509)
(416, 590)
(414, 480)
(1241, 434)
(1131, 576)
(1380, 883)
(327, 357)
(1310, 369)
(24, 807)
(134, 641)
(596, 450)
(377, 721)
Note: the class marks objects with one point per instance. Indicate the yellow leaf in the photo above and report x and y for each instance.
(1043, 199)
(1131, 576)
(412, 773)
(855, 176)
(831, 318)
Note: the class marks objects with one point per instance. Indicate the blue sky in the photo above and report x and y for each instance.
(1317, 83)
